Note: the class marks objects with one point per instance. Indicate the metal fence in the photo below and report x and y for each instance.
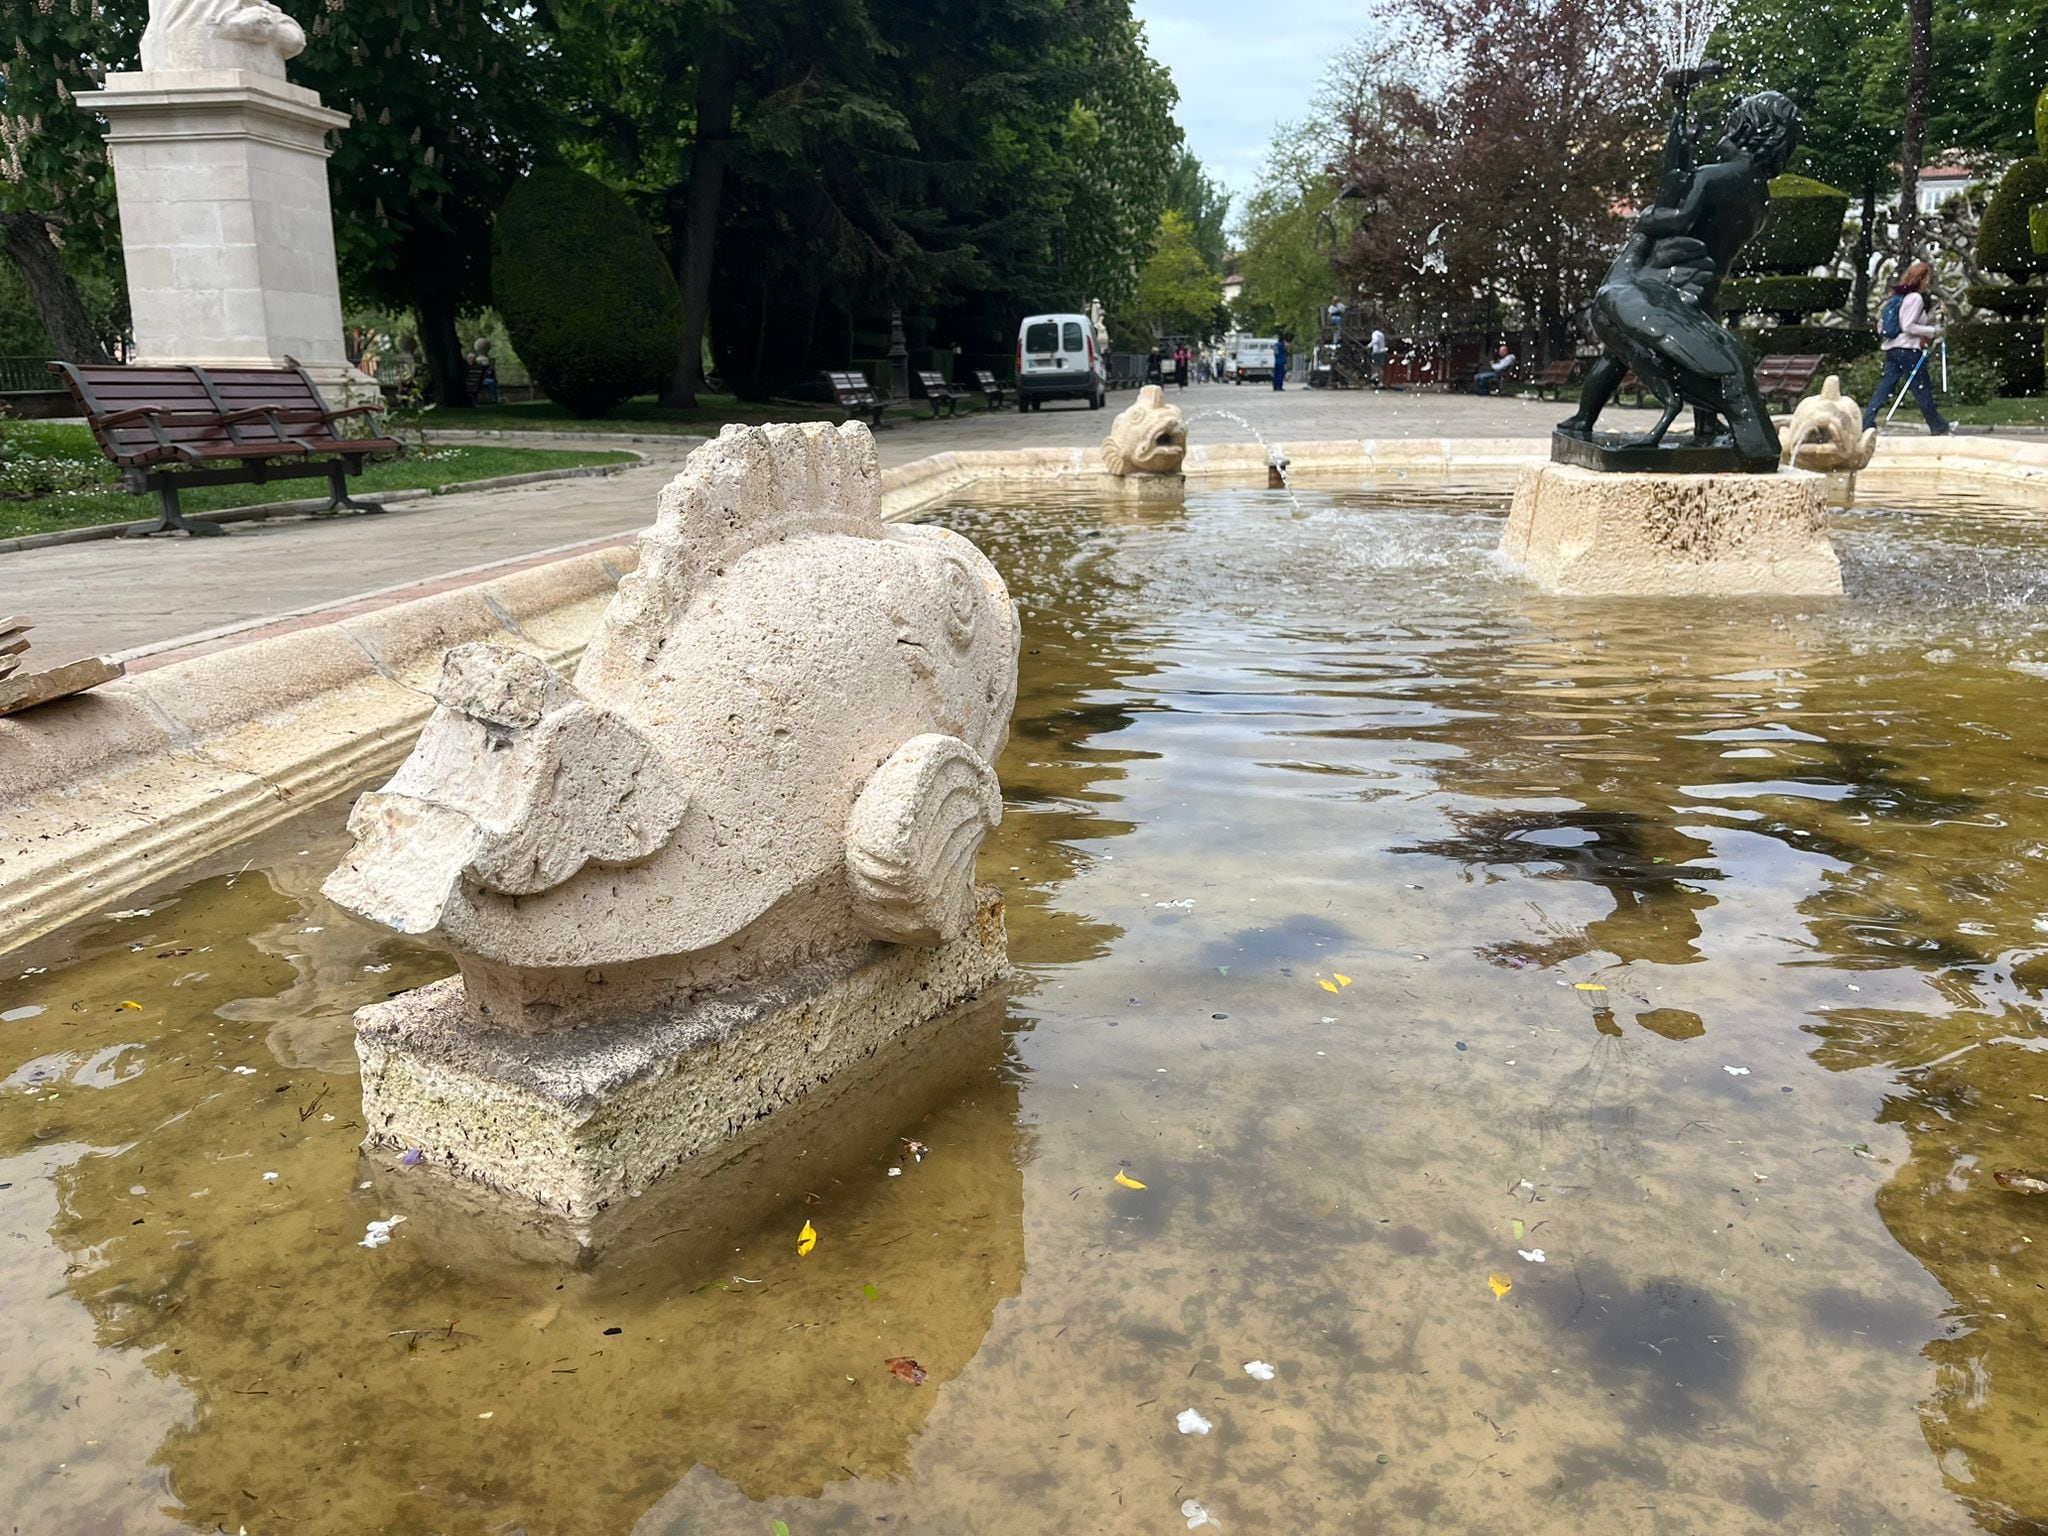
(27, 376)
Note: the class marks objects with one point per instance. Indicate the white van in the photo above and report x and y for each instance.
(1251, 357)
(1057, 360)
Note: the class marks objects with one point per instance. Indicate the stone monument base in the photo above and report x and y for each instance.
(1137, 487)
(1586, 532)
(574, 1121)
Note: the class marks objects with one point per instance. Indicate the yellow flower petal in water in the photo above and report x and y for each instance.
(1342, 979)
(1501, 1284)
(1127, 1181)
(806, 1240)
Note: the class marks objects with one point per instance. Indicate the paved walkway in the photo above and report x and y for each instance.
(138, 597)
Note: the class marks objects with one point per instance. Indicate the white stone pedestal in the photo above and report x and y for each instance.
(1594, 532)
(226, 227)
(578, 1120)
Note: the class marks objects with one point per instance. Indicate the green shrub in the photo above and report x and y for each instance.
(1971, 381)
(2017, 301)
(2005, 243)
(589, 304)
(1783, 295)
(2037, 228)
(1835, 343)
(2009, 349)
(1805, 227)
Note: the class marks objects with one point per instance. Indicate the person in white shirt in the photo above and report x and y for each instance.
(1377, 347)
(1905, 349)
(1487, 380)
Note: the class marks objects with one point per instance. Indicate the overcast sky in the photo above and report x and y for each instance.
(1242, 66)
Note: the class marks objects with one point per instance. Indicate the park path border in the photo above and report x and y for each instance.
(212, 739)
(311, 504)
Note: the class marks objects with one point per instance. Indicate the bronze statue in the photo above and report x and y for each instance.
(1655, 312)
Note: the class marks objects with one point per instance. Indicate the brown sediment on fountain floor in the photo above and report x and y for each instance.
(1600, 533)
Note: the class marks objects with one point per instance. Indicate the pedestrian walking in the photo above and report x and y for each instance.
(1909, 321)
(1180, 366)
(1377, 348)
(1280, 362)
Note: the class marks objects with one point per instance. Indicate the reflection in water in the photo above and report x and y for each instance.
(1673, 970)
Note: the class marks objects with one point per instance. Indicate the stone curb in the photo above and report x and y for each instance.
(307, 504)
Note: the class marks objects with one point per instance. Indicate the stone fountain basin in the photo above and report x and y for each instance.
(103, 794)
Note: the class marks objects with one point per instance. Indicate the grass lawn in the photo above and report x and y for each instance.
(52, 475)
(2029, 412)
(638, 415)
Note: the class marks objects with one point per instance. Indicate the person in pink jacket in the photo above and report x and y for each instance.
(1909, 323)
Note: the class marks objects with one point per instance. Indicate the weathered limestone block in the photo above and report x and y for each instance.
(1148, 437)
(1716, 535)
(773, 769)
(1827, 433)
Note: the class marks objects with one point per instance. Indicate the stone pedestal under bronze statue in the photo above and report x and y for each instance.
(1593, 533)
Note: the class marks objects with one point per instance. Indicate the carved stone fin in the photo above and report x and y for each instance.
(912, 838)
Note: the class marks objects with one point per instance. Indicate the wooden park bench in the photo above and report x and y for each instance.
(941, 394)
(856, 396)
(1555, 377)
(1787, 377)
(993, 389)
(180, 425)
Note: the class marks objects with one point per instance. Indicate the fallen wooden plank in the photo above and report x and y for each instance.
(33, 688)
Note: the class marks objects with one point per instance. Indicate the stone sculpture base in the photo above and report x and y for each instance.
(577, 1120)
(1581, 531)
(1613, 452)
(1149, 487)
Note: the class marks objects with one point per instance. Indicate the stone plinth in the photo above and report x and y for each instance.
(574, 1121)
(1582, 531)
(226, 228)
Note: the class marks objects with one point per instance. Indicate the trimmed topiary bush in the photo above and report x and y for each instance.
(2017, 301)
(1785, 296)
(2005, 242)
(1838, 344)
(1804, 230)
(589, 303)
(2009, 349)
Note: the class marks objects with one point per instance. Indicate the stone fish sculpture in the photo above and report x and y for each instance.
(1827, 433)
(777, 748)
(252, 35)
(1148, 437)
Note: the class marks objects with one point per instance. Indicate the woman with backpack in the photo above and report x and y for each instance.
(1905, 327)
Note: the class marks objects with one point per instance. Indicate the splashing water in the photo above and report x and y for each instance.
(1276, 456)
(1684, 28)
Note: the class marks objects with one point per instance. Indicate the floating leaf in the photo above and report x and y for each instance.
(2020, 1182)
(903, 1368)
(131, 1003)
(779, 1528)
(806, 1240)
(870, 1292)
(1587, 986)
(1501, 1283)
(1519, 1229)
(1127, 1181)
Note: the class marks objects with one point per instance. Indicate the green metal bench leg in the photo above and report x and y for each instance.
(339, 500)
(171, 519)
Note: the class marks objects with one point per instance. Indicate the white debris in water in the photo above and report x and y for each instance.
(1192, 1423)
(245, 1071)
(1533, 1255)
(1196, 1516)
(1736, 1071)
(379, 1232)
(1258, 1370)
(132, 912)
(13, 1015)
(377, 970)
(895, 1173)
(270, 1178)
(1185, 904)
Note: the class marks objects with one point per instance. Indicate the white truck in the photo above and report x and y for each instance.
(1249, 357)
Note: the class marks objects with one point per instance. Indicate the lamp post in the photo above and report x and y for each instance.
(899, 358)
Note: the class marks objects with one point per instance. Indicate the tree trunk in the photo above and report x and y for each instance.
(1866, 247)
(1913, 141)
(51, 289)
(715, 85)
(441, 347)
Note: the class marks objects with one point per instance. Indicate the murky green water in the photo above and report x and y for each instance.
(1320, 826)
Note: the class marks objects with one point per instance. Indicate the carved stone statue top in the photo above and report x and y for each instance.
(778, 749)
(250, 35)
(1148, 437)
(1654, 314)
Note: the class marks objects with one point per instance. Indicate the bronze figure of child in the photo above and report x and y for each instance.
(1654, 314)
